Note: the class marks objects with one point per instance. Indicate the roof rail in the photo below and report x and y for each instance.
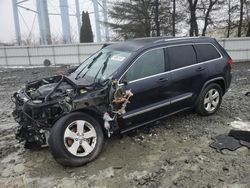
(160, 37)
(177, 38)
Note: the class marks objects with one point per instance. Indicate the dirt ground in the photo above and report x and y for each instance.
(173, 153)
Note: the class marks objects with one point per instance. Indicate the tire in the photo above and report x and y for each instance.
(209, 100)
(71, 148)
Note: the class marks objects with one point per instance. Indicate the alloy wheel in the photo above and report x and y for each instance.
(80, 138)
(211, 100)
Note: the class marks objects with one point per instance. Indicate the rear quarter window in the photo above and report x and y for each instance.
(181, 56)
(206, 52)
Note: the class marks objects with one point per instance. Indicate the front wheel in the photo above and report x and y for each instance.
(76, 139)
(209, 100)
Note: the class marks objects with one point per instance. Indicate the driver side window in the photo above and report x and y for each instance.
(150, 63)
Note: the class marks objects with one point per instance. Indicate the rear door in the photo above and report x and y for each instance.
(188, 76)
(148, 80)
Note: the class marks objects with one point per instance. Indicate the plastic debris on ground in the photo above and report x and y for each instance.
(237, 137)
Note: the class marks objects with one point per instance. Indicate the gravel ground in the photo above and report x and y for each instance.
(173, 153)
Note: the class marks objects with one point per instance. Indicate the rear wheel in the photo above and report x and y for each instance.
(76, 139)
(209, 100)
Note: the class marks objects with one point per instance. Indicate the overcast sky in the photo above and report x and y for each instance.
(27, 18)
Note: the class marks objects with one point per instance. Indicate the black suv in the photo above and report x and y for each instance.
(121, 87)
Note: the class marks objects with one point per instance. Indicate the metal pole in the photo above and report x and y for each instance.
(47, 24)
(97, 24)
(54, 54)
(28, 52)
(5, 55)
(65, 21)
(16, 21)
(105, 10)
(40, 20)
(78, 54)
(43, 19)
(78, 17)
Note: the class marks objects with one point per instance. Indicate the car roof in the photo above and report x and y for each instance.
(139, 43)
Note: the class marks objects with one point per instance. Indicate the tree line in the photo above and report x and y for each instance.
(145, 18)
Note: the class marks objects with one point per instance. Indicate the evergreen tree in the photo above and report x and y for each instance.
(142, 18)
(86, 34)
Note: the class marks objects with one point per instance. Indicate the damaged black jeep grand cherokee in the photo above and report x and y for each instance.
(121, 87)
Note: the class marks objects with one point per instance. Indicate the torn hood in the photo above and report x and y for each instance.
(81, 82)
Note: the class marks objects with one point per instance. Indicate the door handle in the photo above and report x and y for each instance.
(162, 80)
(200, 69)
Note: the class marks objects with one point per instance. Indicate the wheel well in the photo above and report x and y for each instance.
(94, 114)
(221, 83)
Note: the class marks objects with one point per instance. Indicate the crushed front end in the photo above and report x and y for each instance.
(38, 106)
(41, 103)
(91, 88)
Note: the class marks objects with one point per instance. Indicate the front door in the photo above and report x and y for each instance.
(148, 80)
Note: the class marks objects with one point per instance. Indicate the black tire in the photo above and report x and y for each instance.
(201, 107)
(57, 143)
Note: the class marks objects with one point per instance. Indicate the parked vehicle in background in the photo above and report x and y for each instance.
(123, 86)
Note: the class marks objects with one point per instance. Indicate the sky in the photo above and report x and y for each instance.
(29, 22)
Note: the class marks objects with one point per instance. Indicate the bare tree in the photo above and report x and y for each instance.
(157, 23)
(193, 19)
(207, 19)
(248, 18)
(241, 17)
(173, 17)
(248, 30)
(233, 9)
(229, 19)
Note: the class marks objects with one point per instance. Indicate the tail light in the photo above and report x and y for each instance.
(230, 62)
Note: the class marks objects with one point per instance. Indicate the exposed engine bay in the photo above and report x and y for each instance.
(41, 103)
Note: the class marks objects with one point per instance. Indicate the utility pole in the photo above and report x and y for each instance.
(43, 19)
(105, 10)
(16, 22)
(174, 8)
(65, 21)
(78, 17)
(97, 19)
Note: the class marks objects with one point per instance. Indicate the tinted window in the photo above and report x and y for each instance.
(206, 52)
(148, 64)
(181, 56)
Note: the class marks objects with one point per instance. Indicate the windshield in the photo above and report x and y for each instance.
(101, 65)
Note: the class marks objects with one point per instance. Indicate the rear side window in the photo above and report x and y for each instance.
(206, 52)
(148, 64)
(181, 56)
